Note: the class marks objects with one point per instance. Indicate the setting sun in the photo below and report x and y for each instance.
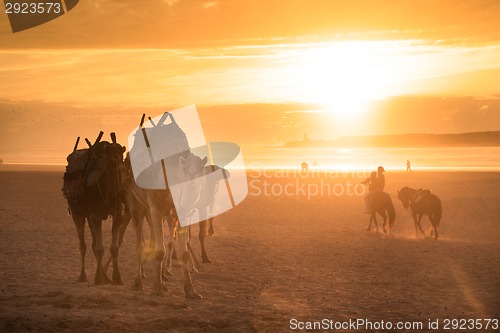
(344, 76)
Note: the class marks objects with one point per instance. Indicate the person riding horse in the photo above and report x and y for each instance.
(376, 183)
(377, 201)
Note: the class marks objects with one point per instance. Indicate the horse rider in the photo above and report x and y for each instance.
(372, 184)
(380, 184)
(376, 184)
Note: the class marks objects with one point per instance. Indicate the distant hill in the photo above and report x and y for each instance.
(472, 139)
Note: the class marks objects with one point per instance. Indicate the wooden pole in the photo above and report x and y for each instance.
(76, 144)
(88, 142)
(98, 138)
(151, 121)
(113, 137)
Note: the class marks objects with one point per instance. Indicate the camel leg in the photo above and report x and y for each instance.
(182, 234)
(121, 233)
(115, 244)
(201, 236)
(196, 264)
(159, 249)
(211, 231)
(174, 252)
(139, 247)
(146, 255)
(95, 224)
(374, 216)
(79, 222)
(171, 222)
(123, 226)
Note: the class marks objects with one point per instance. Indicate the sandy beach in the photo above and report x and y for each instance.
(275, 258)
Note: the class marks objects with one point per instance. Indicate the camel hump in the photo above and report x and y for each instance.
(74, 176)
(85, 167)
(97, 169)
(99, 157)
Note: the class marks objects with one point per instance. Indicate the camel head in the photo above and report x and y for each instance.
(115, 152)
(192, 166)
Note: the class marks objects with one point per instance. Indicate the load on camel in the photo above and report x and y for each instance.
(93, 182)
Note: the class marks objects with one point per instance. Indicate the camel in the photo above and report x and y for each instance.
(136, 211)
(205, 206)
(155, 205)
(98, 198)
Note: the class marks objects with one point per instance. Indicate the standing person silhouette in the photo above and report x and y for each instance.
(408, 166)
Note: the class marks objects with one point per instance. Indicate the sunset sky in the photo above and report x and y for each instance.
(261, 72)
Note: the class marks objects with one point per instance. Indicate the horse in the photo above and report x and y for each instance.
(422, 202)
(154, 205)
(103, 180)
(381, 202)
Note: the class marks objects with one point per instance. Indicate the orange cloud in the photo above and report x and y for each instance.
(182, 23)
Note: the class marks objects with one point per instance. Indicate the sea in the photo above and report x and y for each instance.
(433, 158)
(275, 157)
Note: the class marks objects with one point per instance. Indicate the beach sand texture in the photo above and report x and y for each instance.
(274, 258)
